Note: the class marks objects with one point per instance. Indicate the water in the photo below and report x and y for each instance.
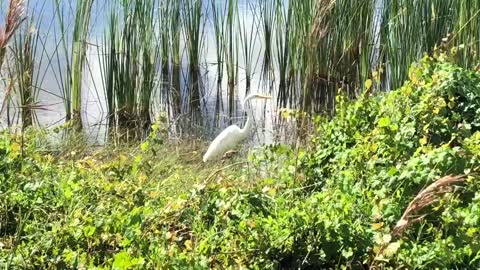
(216, 109)
(215, 112)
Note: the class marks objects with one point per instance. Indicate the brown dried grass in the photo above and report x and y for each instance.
(321, 25)
(424, 198)
(13, 20)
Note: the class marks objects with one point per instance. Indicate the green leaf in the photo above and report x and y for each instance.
(144, 146)
(89, 231)
(122, 261)
(384, 122)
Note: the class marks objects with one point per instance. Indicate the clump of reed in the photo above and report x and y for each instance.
(22, 71)
(311, 48)
(130, 64)
(378, 40)
(74, 57)
(23, 75)
(193, 27)
(79, 49)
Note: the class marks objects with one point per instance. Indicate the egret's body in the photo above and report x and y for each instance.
(232, 135)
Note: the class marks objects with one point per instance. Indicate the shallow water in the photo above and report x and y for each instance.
(216, 110)
(214, 114)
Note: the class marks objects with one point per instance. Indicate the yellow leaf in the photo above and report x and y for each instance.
(272, 192)
(377, 226)
(391, 249)
(368, 84)
(423, 141)
(387, 238)
(15, 149)
(376, 76)
(188, 244)
(142, 177)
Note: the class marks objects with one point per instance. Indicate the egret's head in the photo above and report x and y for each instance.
(256, 96)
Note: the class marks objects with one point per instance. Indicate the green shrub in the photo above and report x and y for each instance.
(383, 150)
(332, 206)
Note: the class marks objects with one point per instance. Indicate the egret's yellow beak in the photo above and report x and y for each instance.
(263, 97)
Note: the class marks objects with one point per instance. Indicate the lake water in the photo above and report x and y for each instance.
(215, 113)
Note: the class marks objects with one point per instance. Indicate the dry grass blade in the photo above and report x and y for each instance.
(426, 197)
(320, 27)
(14, 18)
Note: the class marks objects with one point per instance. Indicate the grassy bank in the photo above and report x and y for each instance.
(364, 194)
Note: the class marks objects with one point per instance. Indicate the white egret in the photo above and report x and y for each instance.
(232, 135)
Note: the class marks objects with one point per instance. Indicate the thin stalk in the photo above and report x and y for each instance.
(248, 40)
(218, 23)
(80, 33)
(267, 19)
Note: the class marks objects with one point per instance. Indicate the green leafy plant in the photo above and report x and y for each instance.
(372, 190)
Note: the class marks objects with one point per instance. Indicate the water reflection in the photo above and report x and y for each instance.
(196, 99)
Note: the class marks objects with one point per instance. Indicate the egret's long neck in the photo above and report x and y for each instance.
(249, 124)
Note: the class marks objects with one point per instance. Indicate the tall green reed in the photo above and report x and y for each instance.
(193, 27)
(75, 57)
(175, 13)
(466, 35)
(231, 42)
(108, 61)
(248, 40)
(79, 51)
(130, 64)
(23, 72)
(218, 24)
(283, 37)
(193, 22)
(267, 18)
(170, 29)
(164, 20)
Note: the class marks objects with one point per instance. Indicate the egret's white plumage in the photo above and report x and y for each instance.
(232, 135)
